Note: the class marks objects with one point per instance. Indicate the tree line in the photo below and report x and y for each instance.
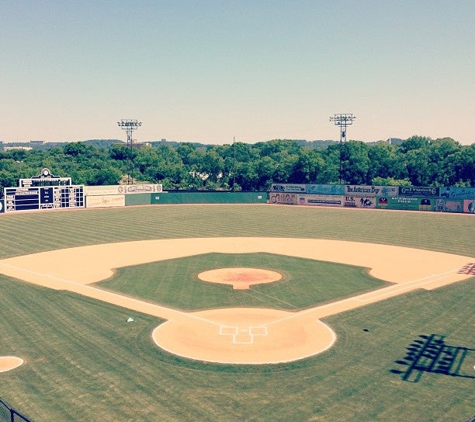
(417, 161)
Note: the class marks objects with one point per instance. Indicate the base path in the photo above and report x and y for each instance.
(239, 335)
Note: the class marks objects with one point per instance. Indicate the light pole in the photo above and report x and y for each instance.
(129, 125)
(343, 120)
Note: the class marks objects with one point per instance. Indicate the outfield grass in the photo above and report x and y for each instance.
(84, 363)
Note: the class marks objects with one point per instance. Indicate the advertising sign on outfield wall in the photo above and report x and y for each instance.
(469, 206)
(360, 201)
(105, 201)
(2, 207)
(406, 203)
(448, 205)
(322, 200)
(418, 191)
(457, 193)
(283, 198)
(326, 189)
(285, 187)
(371, 190)
(121, 189)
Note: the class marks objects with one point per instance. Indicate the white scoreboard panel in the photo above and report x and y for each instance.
(43, 197)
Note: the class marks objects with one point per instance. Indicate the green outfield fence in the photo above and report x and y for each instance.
(223, 197)
(9, 414)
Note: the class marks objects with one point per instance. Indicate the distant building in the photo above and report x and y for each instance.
(394, 141)
(37, 142)
(12, 148)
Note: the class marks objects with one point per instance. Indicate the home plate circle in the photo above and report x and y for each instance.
(244, 336)
(240, 278)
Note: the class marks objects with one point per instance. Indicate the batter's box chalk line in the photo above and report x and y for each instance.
(242, 335)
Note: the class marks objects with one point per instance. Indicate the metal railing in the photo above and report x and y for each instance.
(9, 414)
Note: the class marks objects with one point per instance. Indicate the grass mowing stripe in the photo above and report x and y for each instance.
(305, 283)
(85, 363)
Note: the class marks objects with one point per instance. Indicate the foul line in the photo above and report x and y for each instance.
(418, 282)
(113, 294)
(371, 296)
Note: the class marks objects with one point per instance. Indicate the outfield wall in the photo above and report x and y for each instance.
(415, 198)
(209, 198)
(410, 198)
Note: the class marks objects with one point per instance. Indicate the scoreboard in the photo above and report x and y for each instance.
(43, 197)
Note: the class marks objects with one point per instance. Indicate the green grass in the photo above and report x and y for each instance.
(305, 282)
(84, 363)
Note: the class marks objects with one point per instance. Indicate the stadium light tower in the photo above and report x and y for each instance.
(343, 120)
(129, 125)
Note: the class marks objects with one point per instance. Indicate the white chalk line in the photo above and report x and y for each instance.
(107, 292)
(413, 284)
(372, 296)
(236, 331)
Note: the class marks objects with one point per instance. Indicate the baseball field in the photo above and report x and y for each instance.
(237, 313)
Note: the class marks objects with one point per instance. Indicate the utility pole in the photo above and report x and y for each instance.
(234, 163)
(343, 120)
(129, 125)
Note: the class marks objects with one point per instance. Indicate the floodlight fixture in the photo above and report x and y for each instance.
(129, 125)
(343, 120)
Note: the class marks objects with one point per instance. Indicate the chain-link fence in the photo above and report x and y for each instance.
(8, 414)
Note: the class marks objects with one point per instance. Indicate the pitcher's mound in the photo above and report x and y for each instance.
(240, 278)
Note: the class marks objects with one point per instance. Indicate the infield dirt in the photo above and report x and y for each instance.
(239, 335)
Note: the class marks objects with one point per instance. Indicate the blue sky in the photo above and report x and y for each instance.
(208, 71)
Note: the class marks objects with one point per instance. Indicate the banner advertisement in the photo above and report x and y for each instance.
(121, 189)
(469, 206)
(322, 200)
(105, 201)
(448, 205)
(283, 198)
(406, 203)
(284, 187)
(371, 190)
(326, 189)
(418, 191)
(457, 193)
(360, 201)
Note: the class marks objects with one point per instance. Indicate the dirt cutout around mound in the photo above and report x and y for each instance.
(240, 278)
(239, 335)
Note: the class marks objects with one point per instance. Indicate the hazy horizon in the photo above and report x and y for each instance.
(211, 71)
